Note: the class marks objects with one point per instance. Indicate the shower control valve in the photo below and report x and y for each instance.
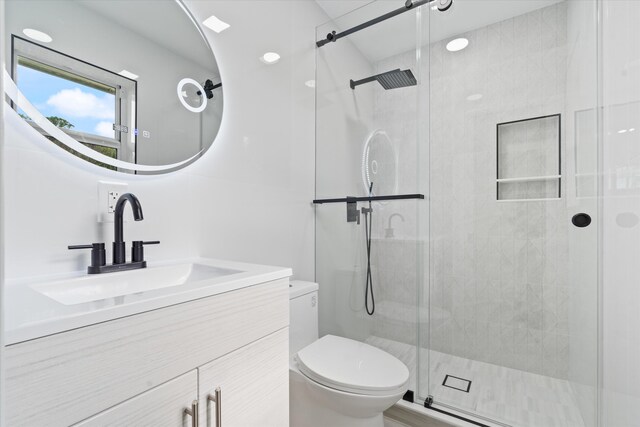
(353, 214)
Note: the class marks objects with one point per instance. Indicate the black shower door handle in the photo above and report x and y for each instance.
(581, 220)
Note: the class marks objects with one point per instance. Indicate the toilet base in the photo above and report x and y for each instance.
(314, 405)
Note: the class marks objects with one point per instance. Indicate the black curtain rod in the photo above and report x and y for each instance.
(333, 36)
(369, 199)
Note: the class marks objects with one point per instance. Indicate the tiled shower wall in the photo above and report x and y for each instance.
(498, 275)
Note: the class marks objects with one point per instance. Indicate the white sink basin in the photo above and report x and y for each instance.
(41, 306)
(97, 287)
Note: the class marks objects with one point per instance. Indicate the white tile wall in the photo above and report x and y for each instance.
(2, 228)
(498, 269)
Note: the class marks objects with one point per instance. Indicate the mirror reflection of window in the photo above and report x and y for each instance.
(91, 49)
(84, 100)
(87, 106)
(71, 102)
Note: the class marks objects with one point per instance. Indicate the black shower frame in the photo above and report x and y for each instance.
(369, 198)
(333, 36)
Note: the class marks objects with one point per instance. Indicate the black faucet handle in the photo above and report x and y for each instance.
(81, 246)
(137, 249)
(97, 246)
(98, 253)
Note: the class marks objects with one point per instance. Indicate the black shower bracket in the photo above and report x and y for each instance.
(369, 198)
(333, 36)
(353, 213)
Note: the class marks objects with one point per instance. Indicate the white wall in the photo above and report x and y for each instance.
(2, 259)
(621, 210)
(248, 198)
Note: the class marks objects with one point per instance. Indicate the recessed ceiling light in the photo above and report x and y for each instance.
(270, 58)
(37, 35)
(632, 129)
(474, 97)
(216, 24)
(622, 131)
(128, 74)
(457, 44)
(310, 83)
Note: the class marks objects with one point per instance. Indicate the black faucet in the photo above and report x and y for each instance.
(98, 264)
(119, 250)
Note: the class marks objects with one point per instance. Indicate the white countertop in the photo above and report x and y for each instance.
(29, 314)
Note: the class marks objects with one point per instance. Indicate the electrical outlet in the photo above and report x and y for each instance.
(112, 200)
(108, 195)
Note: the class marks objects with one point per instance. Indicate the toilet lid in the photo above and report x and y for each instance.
(352, 366)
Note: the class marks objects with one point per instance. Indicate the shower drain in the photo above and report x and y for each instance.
(457, 383)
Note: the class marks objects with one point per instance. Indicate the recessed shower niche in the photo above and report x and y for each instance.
(529, 158)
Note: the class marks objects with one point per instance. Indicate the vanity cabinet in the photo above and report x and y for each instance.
(253, 385)
(153, 363)
(162, 406)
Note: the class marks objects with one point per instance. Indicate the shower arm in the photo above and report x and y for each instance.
(333, 36)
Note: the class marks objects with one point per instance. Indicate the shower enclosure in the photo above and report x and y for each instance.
(471, 133)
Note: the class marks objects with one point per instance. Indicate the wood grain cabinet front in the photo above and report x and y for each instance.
(93, 370)
(162, 406)
(253, 384)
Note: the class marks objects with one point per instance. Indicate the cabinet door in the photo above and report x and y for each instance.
(253, 382)
(161, 406)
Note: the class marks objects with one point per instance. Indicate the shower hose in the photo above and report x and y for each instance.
(368, 221)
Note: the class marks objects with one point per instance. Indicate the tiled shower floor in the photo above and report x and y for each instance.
(510, 396)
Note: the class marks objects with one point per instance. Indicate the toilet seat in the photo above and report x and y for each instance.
(353, 367)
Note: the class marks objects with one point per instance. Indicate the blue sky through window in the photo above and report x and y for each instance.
(88, 109)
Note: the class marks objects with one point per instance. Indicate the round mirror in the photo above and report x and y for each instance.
(131, 86)
(379, 164)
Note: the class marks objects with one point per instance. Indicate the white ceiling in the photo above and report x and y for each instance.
(160, 21)
(398, 34)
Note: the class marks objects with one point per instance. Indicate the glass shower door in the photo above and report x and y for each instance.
(369, 90)
(512, 213)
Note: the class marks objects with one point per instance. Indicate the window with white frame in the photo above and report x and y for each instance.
(93, 105)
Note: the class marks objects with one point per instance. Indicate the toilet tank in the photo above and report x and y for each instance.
(303, 314)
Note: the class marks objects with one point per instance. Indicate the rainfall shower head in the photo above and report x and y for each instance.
(390, 80)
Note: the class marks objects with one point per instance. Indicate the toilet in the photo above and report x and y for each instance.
(336, 381)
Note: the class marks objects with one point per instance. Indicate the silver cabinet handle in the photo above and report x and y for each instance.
(193, 413)
(217, 399)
